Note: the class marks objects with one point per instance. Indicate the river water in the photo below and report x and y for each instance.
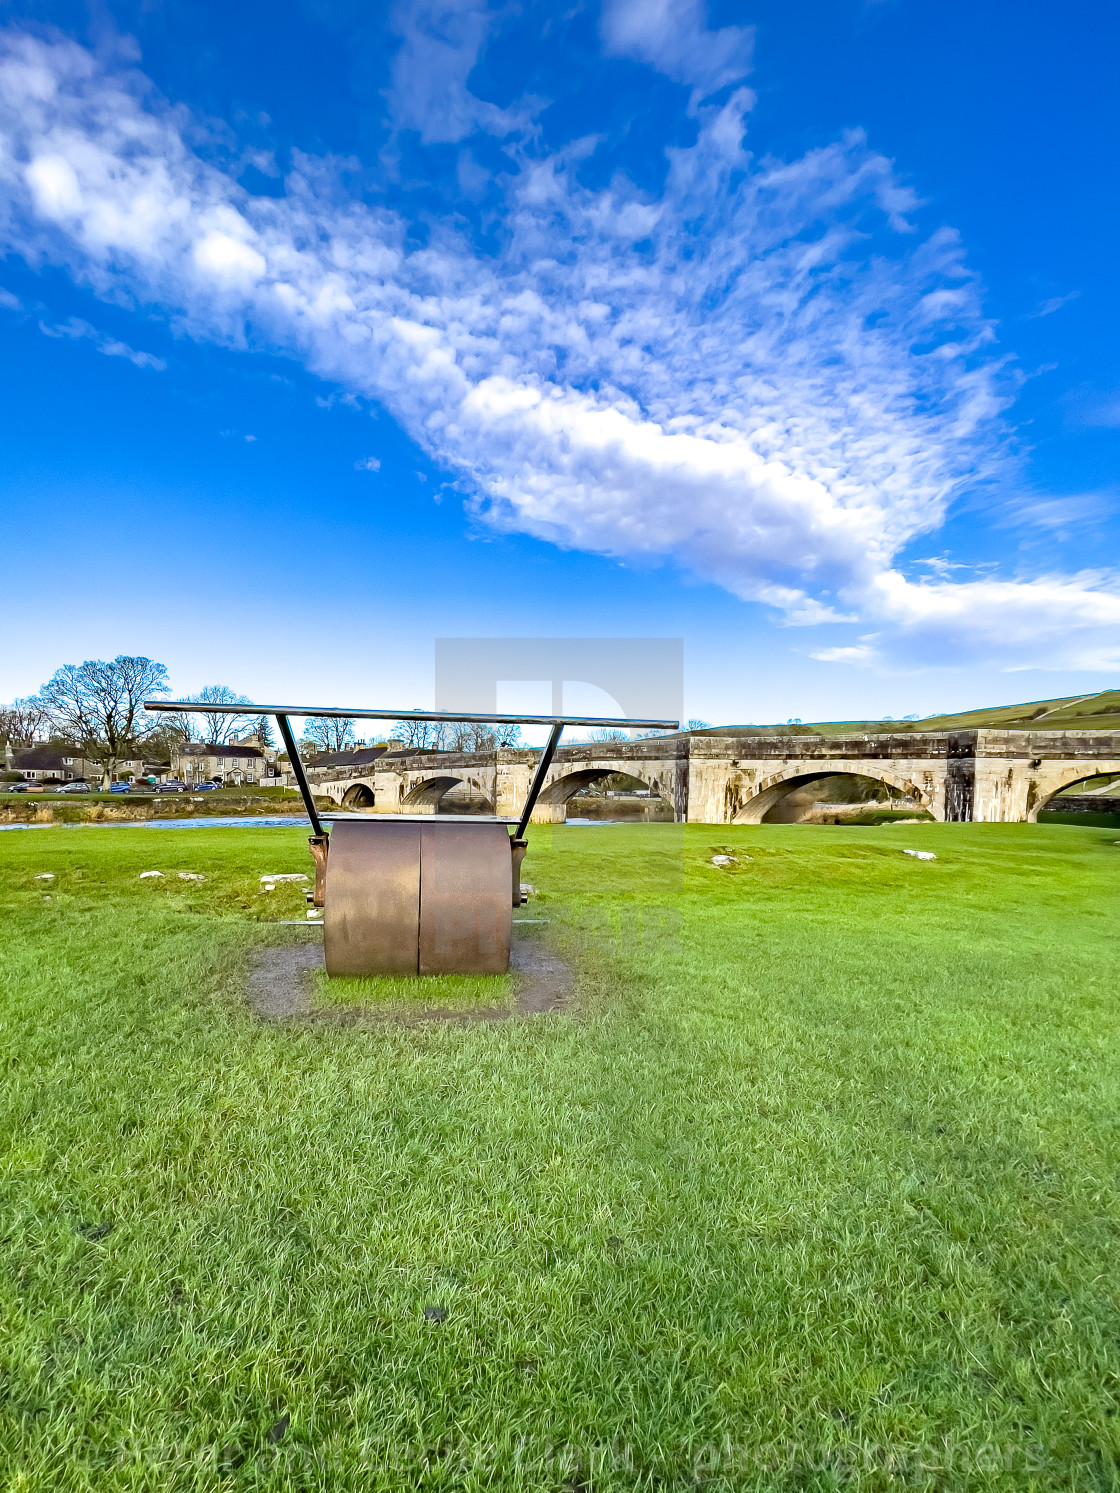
(618, 814)
(257, 821)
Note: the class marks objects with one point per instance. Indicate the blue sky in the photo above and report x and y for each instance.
(332, 328)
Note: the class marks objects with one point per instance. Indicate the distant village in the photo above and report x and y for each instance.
(246, 761)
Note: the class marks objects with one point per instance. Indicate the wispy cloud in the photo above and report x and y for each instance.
(1093, 410)
(367, 464)
(673, 37)
(77, 330)
(1058, 511)
(440, 45)
(1055, 303)
(779, 403)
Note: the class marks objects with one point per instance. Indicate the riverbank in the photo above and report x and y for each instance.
(120, 808)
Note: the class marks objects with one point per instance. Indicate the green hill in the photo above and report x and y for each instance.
(1099, 712)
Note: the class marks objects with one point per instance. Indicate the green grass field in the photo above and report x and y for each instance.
(814, 1185)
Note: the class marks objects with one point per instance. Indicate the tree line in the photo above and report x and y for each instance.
(96, 710)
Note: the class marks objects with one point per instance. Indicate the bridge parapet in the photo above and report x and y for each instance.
(834, 748)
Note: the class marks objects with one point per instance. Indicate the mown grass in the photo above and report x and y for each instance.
(458, 993)
(814, 1187)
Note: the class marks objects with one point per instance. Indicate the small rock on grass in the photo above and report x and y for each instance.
(921, 855)
(287, 876)
(724, 860)
(45, 876)
(145, 874)
(190, 876)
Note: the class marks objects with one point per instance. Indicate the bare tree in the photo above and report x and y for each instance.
(98, 707)
(455, 736)
(327, 733)
(427, 735)
(22, 721)
(219, 727)
(168, 733)
(470, 736)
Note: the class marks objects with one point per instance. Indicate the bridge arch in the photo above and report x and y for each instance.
(568, 784)
(1067, 777)
(432, 791)
(358, 796)
(777, 786)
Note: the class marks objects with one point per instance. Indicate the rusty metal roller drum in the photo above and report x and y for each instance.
(413, 898)
(466, 910)
(371, 919)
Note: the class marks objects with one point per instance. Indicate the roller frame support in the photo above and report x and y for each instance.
(383, 913)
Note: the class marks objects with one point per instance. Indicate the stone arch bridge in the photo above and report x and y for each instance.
(982, 775)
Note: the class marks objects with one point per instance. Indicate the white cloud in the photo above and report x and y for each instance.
(367, 464)
(1046, 622)
(779, 404)
(231, 261)
(673, 37)
(857, 653)
(54, 183)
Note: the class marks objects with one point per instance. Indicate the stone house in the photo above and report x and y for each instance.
(47, 763)
(237, 762)
(43, 764)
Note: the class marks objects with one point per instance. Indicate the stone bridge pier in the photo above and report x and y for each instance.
(982, 775)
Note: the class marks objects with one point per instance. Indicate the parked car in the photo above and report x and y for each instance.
(19, 787)
(172, 786)
(78, 787)
(206, 787)
(119, 787)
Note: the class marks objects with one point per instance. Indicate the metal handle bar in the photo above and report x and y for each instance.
(333, 712)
